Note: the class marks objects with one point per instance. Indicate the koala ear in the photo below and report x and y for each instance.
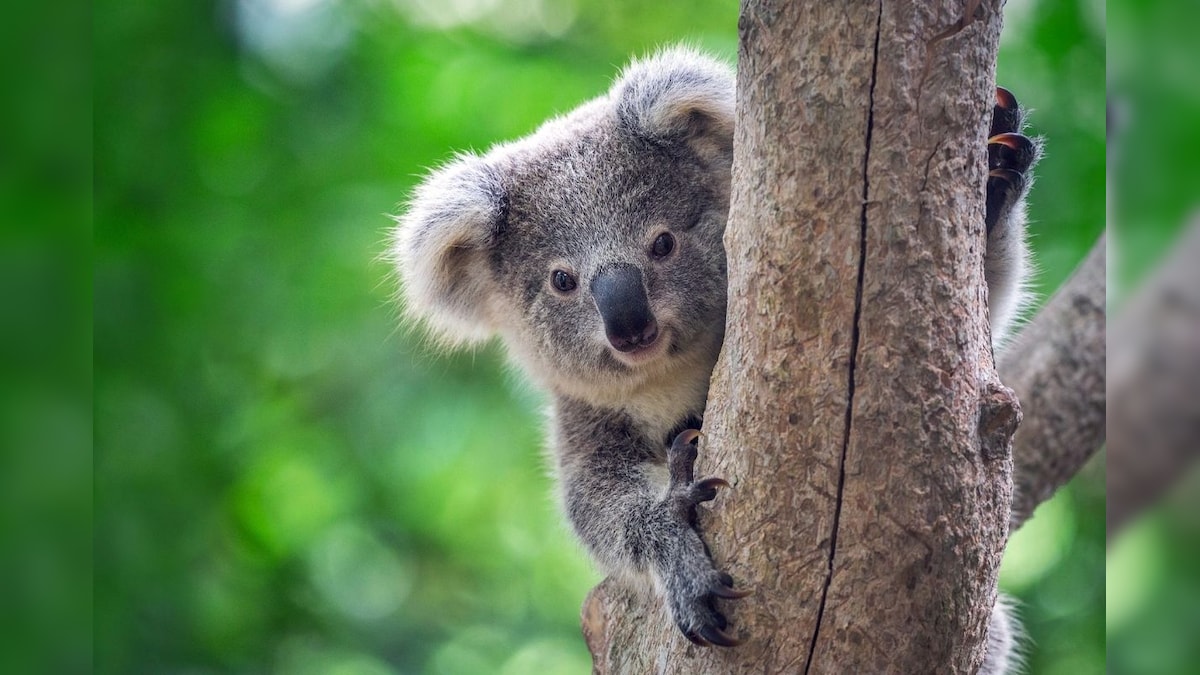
(678, 95)
(440, 248)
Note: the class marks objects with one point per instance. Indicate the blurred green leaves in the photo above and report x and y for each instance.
(45, 340)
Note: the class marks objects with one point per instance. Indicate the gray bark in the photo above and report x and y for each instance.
(1154, 384)
(855, 407)
(1057, 367)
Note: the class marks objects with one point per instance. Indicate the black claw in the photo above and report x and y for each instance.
(1006, 115)
(692, 637)
(1007, 177)
(687, 437)
(1010, 151)
(681, 459)
(1005, 98)
(719, 637)
(730, 593)
(706, 490)
(725, 589)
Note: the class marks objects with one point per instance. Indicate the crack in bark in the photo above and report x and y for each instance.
(854, 336)
(928, 161)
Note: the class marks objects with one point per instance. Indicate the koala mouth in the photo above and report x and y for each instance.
(647, 351)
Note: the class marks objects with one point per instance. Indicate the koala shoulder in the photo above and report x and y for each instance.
(444, 242)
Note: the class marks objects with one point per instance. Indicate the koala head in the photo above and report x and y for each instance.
(593, 247)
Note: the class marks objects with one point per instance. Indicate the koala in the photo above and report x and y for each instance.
(593, 249)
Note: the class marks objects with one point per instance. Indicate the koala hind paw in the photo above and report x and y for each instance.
(1010, 156)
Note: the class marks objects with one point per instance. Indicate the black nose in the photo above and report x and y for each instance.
(621, 299)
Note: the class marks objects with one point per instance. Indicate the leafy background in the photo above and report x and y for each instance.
(285, 480)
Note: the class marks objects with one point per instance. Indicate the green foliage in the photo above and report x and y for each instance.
(1152, 73)
(285, 480)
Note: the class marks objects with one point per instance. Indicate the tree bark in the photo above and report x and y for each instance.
(855, 406)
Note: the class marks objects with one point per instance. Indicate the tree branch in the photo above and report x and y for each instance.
(1056, 366)
(1154, 383)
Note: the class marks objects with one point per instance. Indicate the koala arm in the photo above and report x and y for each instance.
(635, 524)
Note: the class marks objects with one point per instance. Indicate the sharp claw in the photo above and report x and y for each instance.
(1006, 100)
(1013, 140)
(706, 490)
(1006, 115)
(729, 593)
(1011, 151)
(686, 436)
(732, 594)
(694, 639)
(682, 457)
(719, 637)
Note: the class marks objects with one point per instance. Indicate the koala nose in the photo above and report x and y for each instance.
(621, 299)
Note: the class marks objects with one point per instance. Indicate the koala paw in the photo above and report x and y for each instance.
(693, 583)
(685, 492)
(1010, 156)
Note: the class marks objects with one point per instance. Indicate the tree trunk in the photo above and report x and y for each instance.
(855, 407)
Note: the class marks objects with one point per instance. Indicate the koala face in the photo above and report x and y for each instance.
(593, 246)
(611, 257)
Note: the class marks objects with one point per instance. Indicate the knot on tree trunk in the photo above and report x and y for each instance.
(999, 417)
(595, 625)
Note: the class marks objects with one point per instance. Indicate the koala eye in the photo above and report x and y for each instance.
(562, 281)
(663, 245)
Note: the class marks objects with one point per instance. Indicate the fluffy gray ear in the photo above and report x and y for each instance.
(440, 248)
(678, 95)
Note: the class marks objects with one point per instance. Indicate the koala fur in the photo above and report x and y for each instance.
(593, 248)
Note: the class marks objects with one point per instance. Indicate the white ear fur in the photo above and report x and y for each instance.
(440, 245)
(679, 94)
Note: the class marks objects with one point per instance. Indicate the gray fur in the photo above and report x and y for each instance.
(1007, 270)
(592, 189)
(1003, 642)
